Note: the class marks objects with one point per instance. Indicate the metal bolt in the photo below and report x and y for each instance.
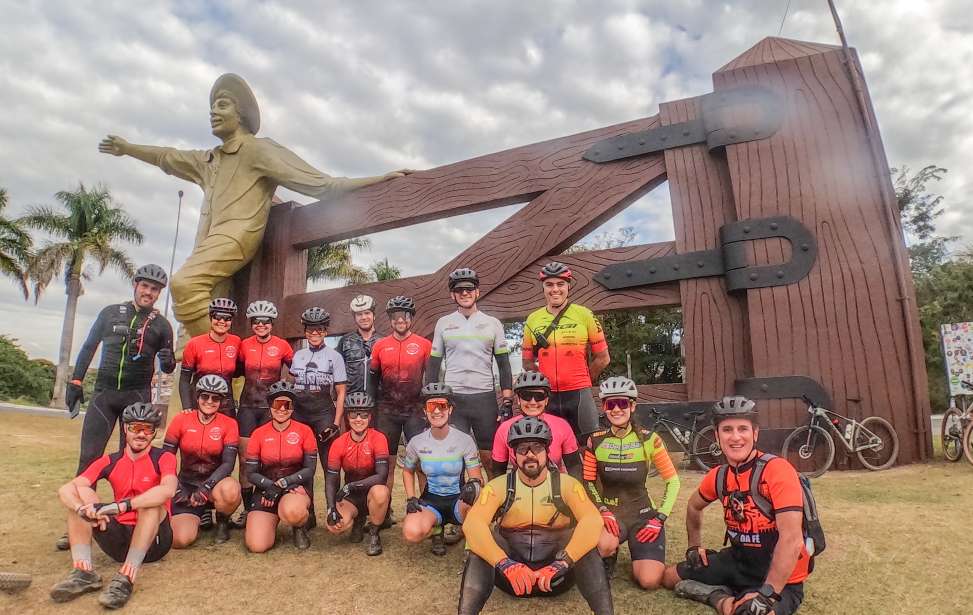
(663, 138)
(764, 387)
(628, 273)
(651, 269)
(607, 276)
(773, 226)
(685, 133)
(641, 141)
(780, 273)
(621, 147)
(733, 135)
(700, 264)
(676, 267)
(753, 276)
(746, 229)
(596, 152)
(805, 247)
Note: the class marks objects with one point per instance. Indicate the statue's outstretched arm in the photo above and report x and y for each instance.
(185, 164)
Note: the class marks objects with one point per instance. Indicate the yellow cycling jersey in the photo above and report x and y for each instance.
(565, 359)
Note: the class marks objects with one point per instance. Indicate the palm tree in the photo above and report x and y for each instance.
(332, 261)
(384, 271)
(14, 248)
(89, 229)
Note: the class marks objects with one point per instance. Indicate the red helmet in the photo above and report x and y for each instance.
(555, 270)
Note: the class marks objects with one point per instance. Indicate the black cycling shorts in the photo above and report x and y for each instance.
(655, 550)
(359, 499)
(577, 408)
(476, 414)
(726, 568)
(184, 508)
(445, 507)
(536, 547)
(258, 505)
(117, 537)
(249, 418)
(394, 425)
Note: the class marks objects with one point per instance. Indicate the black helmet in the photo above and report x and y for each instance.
(222, 305)
(736, 407)
(529, 428)
(281, 388)
(437, 389)
(465, 276)
(532, 380)
(152, 273)
(555, 269)
(315, 316)
(359, 401)
(141, 412)
(211, 383)
(401, 303)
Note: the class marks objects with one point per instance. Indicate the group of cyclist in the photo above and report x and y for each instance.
(543, 497)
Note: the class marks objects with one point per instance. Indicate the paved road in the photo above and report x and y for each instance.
(40, 410)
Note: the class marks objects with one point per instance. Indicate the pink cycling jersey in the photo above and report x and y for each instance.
(563, 441)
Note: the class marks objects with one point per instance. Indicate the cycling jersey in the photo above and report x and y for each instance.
(280, 453)
(442, 461)
(130, 477)
(468, 346)
(260, 363)
(200, 446)
(356, 351)
(400, 365)
(621, 465)
(130, 338)
(565, 360)
(754, 539)
(204, 356)
(357, 459)
(318, 369)
(563, 441)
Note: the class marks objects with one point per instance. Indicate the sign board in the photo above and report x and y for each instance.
(958, 353)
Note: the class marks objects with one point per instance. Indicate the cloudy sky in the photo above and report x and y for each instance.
(360, 88)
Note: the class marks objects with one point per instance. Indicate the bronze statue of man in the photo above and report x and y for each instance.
(238, 179)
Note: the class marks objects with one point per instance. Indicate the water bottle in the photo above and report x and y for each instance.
(678, 434)
(848, 429)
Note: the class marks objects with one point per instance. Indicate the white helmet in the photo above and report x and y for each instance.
(211, 383)
(618, 386)
(261, 309)
(362, 303)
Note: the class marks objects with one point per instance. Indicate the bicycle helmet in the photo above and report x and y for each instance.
(532, 380)
(401, 303)
(555, 269)
(736, 407)
(281, 388)
(211, 383)
(141, 412)
(437, 389)
(464, 276)
(222, 305)
(152, 273)
(359, 401)
(315, 316)
(362, 303)
(261, 309)
(529, 428)
(618, 386)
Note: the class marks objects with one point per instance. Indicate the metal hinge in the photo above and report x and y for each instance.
(729, 260)
(759, 114)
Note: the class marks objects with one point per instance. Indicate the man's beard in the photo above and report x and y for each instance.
(532, 471)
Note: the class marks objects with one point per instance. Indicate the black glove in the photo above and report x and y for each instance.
(166, 356)
(697, 557)
(201, 497)
(758, 605)
(328, 434)
(334, 517)
(343, 493)
(470, 491)
(412, 505)
(272, 492)
(74, 397)
(506, 408)
(182, 496)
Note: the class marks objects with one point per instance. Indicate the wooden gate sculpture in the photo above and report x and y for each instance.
(788, 261)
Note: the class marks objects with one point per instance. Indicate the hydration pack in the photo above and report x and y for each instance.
(556, 498)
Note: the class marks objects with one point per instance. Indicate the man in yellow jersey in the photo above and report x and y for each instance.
(533, 531)
(557, 340)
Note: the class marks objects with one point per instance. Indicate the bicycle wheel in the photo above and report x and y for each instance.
(951, 434)
(14, 581)
(705, 450)
(883, 452)
(968, 441)
(810, 449)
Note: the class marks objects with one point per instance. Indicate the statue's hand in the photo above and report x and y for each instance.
(399, 173)
(113, 145)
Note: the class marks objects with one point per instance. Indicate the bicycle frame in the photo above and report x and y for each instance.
(685, 436)
(844, 429)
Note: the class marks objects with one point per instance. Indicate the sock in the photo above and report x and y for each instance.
(132, 563)
(81, 556)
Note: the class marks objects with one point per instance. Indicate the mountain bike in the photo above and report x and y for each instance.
(810, 448)
(953, 429)
(698, 444)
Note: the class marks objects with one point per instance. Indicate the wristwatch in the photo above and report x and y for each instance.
(767, 591)
(661, 517)
(563, 556)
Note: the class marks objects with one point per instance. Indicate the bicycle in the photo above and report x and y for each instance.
(699, 446)
(953, 431)
(811, 448)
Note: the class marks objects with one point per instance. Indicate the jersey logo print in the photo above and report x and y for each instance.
(292, 438)
(412, 348)
(216, 433)
(230, 352)
(272, 351)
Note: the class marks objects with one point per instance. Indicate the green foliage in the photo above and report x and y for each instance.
(23, 379)
(15, 246)
(332, 261)
(919, 210)
(383, 271)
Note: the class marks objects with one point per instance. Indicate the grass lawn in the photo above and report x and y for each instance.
(897, 543)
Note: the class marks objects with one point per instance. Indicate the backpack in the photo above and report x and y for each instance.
(559, 504)
(814, 540)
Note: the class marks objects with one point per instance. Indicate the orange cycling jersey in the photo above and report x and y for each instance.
(565, 360)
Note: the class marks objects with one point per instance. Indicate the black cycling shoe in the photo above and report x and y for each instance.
(62, 543)
(222, 528)
(117, 593)
(357, 530)
(77, 582)
(374, 540)
(701, 592)
(452, 534)
(206, 521)
(302, 540)
(438, 545)
(239, 520)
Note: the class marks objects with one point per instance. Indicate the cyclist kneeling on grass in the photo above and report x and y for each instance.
(545, 531)
(442, 452)
(281, 457)
(616, 464)
(764, 568)
(207, 444)
(362, 453)
(135, 527)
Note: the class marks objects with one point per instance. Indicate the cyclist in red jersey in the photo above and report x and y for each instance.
(207, 444)
(362, 453)
(214, 352)
(281, 457)
(132, 529)
(764, 568)
(261, 358)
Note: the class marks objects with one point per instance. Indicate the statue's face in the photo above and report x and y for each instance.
(224, 117)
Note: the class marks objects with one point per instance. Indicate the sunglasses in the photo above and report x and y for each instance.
(261, 321)
(393, 316)
(359, 414)
(281, 404)
(464, 291)
(314, 329)
(437, 405)
(530, 447)
(534, 396)
(210, 397)
(617, 404)
(221, 317)
(142, 428)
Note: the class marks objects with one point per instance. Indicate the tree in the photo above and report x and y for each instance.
(918, 211)
(21, 378)
(332, 261)
(15, 245)
(89, 229)
(383, 271)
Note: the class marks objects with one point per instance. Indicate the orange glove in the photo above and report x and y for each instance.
(521, 577)
(610, 522)
(547, 574)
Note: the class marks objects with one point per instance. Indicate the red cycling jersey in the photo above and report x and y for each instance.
(204, 356)
(400, 365)
(131, 477)
(200, 446)
(281, 453)
(357, 459)
(260, 363)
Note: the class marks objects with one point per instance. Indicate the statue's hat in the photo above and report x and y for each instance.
(243, 95)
